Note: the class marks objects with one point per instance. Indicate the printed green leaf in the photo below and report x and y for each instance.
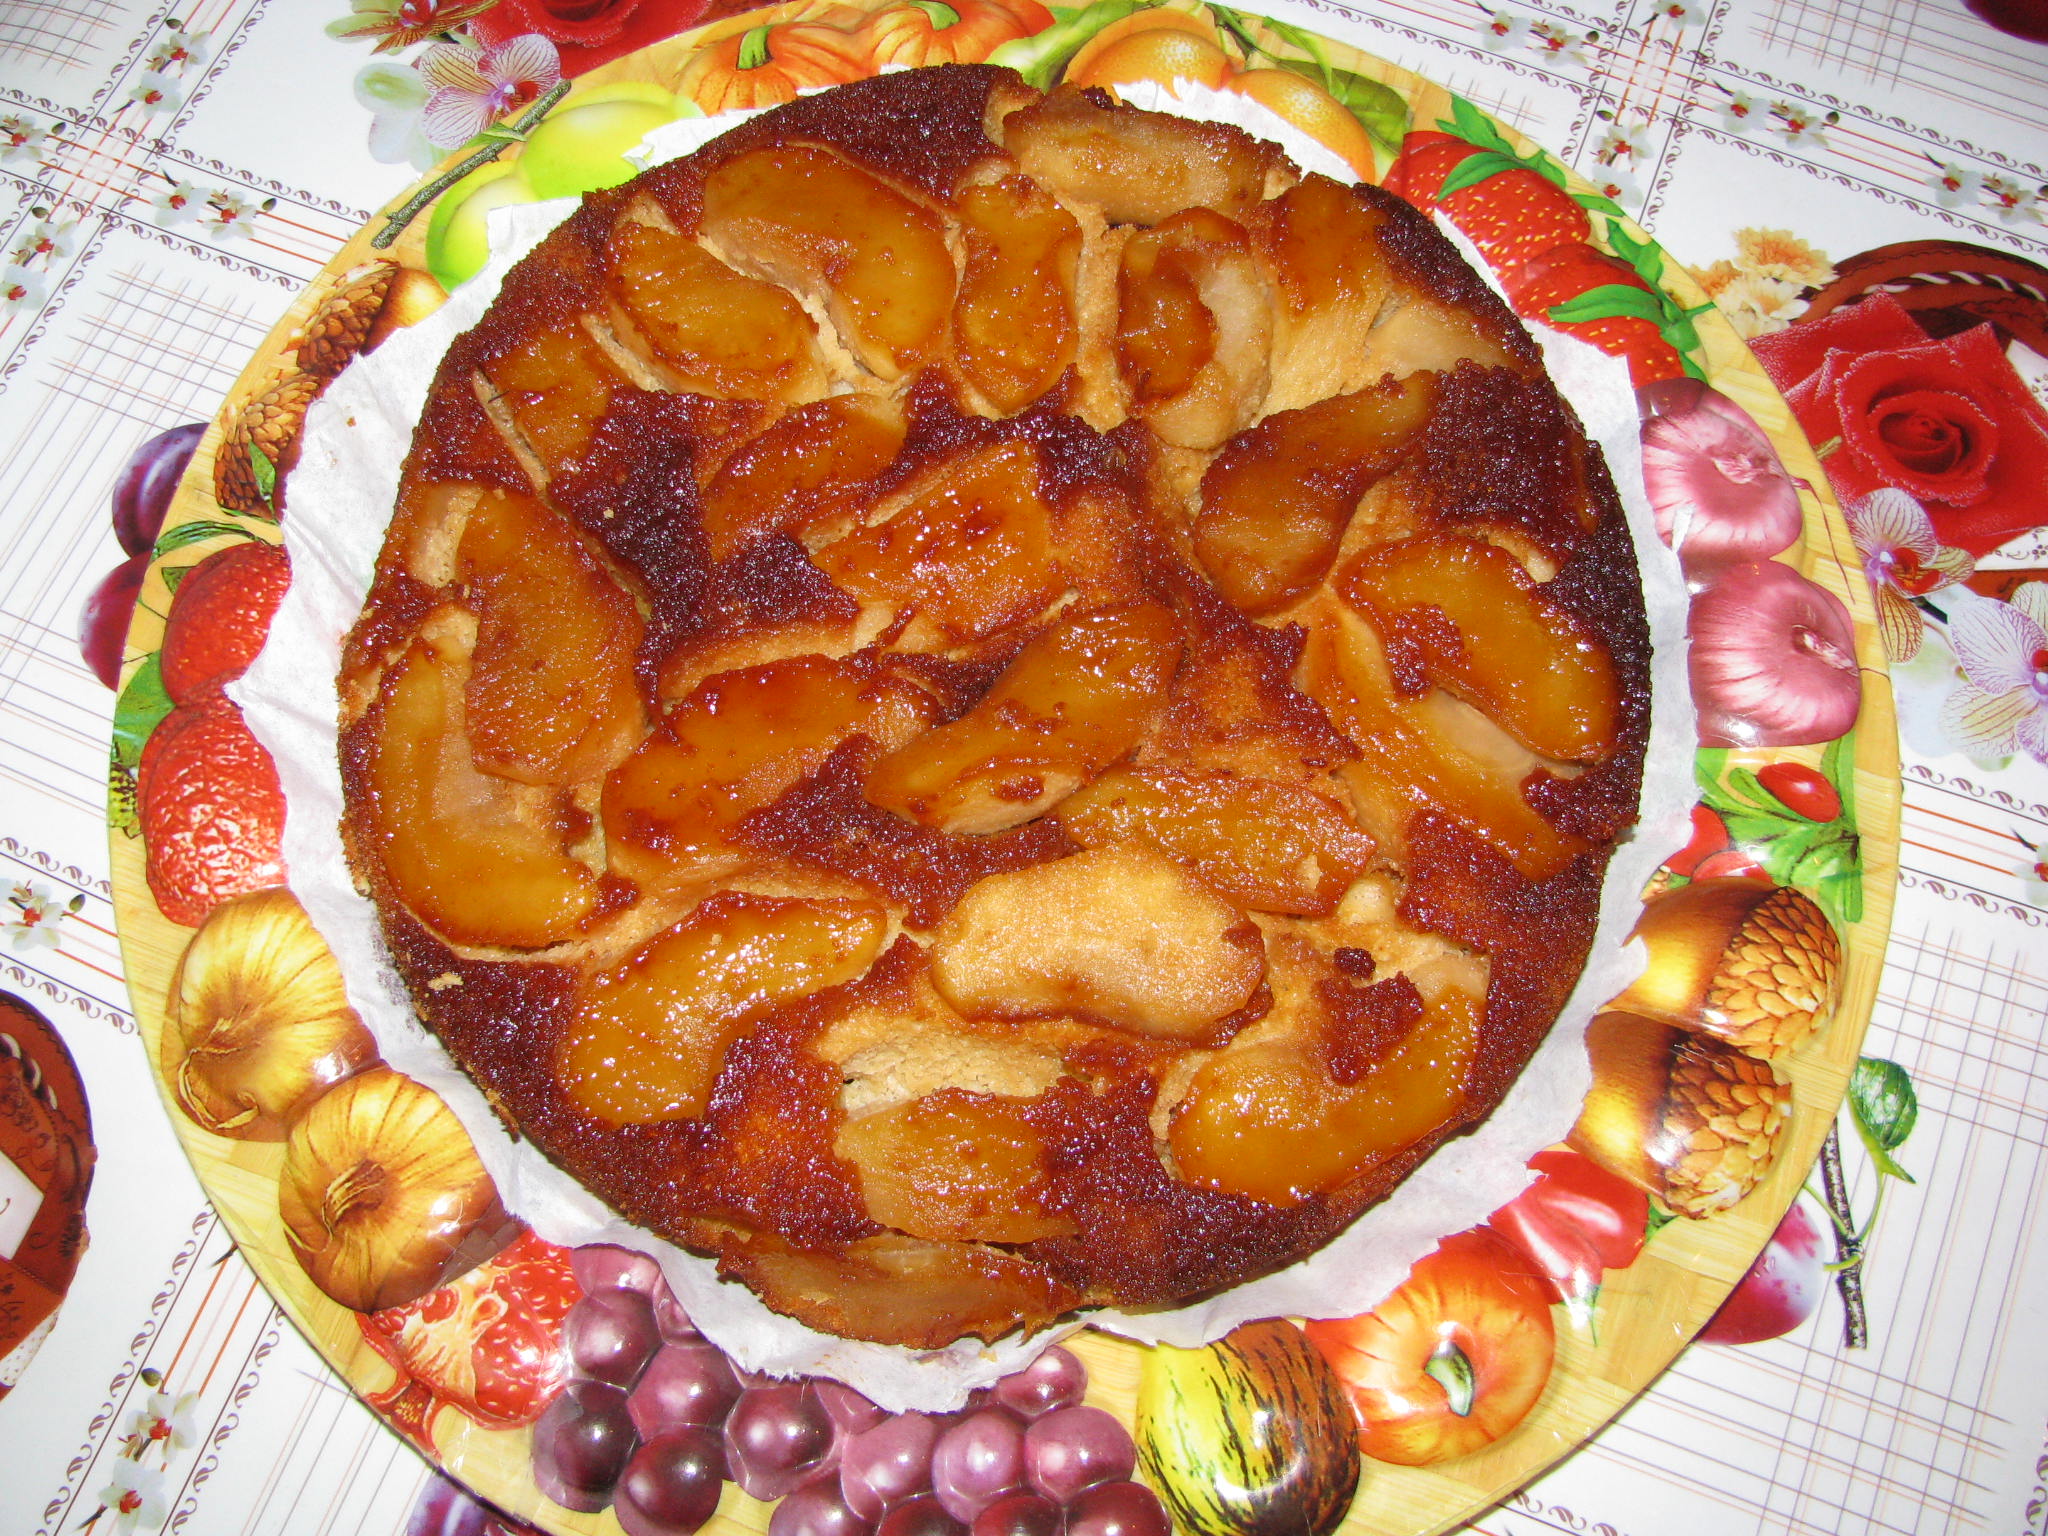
(1381, 109)
(1475, 127)
(173, 539)
(1841, 894)
(174, 577)
(122, 816)
(264, 471)
(1041, 58)
(136, 713)
(1611, 300)
(1882, 1098)
(1474, 169)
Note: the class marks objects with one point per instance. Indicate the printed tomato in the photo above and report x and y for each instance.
(1453, 1359)
(1801, 790)
(1709, 837)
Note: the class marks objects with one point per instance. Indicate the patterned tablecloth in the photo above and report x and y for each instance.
(169, 180)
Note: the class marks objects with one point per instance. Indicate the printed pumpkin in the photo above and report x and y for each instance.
(924, 32)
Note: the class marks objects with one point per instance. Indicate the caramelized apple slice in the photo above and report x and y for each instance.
(812, 469)
(1489, 634)
(480, 860)
(803, 216)
(736, 743)
(1322, 246)
(1013, 329)
(1427, 753)
(555, 386)
(649, 1036)
(1140, 167)
(710, 330)
(968, 546)
(955, 1167)
(1263, 1118)
(1121, 934)
(1276, 501)
(552, 697)
(1194, 328)
(1076, 699)
(1268, 846)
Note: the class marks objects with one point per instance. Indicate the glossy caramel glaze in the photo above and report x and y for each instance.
(1055, 775)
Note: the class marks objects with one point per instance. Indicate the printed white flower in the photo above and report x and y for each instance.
(179, 203)
(229, 216)
(1621, 142)
(30, 919)
(1797, 125)
(395, 96)
(175, 49)
(45, 242)
(1757, 305)
(2006, 196)
(21, 140)
(2002, 705)
(157, 95)
(472, 88)
(1560, 42)
(1903, 560)
(2034, 871)
(1614, 183)
(1955, 187)
(22, 289)
(1741, 110)
(166, 1421)
(1502, 33)
(1680, 12)
(135, 1495)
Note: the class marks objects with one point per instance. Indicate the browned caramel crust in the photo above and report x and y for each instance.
(960, 666)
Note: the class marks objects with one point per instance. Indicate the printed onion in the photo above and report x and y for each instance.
(1773, 660)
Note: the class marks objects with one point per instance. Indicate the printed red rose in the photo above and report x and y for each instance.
(588, 32)
(1949, 421)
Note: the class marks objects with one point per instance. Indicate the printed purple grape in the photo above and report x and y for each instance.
(1075, 1448)
(882, 1466)
(608, 1267)
(686, 1383)
(610, 1336)
(921, 1516)
(581, 1444)
(143, 489)
(1117, 1509)
(672, 1484)
(775, 1437)
(977, 1461)
(1020, 1514)
(670, 1318)
(1056, 1379)
(103, 620)
(817, 1508)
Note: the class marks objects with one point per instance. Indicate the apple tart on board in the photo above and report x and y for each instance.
(470, 1359)
(981, 702)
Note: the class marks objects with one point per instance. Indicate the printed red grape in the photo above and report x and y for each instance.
(686, 1383)
(1056, 1379)
(817, 1509)
(608, 1267)
(610, 1336)
(850, 1410)
(143, 490)
(103, 620)
(581, 1444)
(1117, 1509)
(1075, 1448)
(977, 1461)
(882, 1466)
(1020, 1514)
(670, 1318)
(775, 1437)
(671, 1485)
(921, 1516)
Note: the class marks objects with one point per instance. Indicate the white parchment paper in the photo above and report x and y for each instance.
(341, 496)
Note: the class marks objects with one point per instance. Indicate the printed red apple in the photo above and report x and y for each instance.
(1781, 1290)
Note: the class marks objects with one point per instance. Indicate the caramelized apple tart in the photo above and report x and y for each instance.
(980, 703)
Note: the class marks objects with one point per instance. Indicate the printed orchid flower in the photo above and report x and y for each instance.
(1680, 12)
(175, 49)
(399, 24)
(1902, 560)
(469, 89)
(229, 216)
(157, 95)
(1617, 185)
(2007, 197)
(2034, 870)
(21, 140)
(33, 922)
(1560, 42)
(1740, 111)
(1501, 32)
(179, 203)
(135, 1495)
(396, 97)
(1619, 143)
(22, 289)
(1956, 187)
(1798, 125)
(165, 1421)
(2001, 707)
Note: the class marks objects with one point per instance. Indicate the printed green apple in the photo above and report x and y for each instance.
(581, 145)
(457, 241)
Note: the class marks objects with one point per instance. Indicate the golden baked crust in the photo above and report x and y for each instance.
(980, 703)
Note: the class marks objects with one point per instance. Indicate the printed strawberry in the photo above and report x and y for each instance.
(211, 808)
(1600, 299)
(220, 617)
(1509, 210)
